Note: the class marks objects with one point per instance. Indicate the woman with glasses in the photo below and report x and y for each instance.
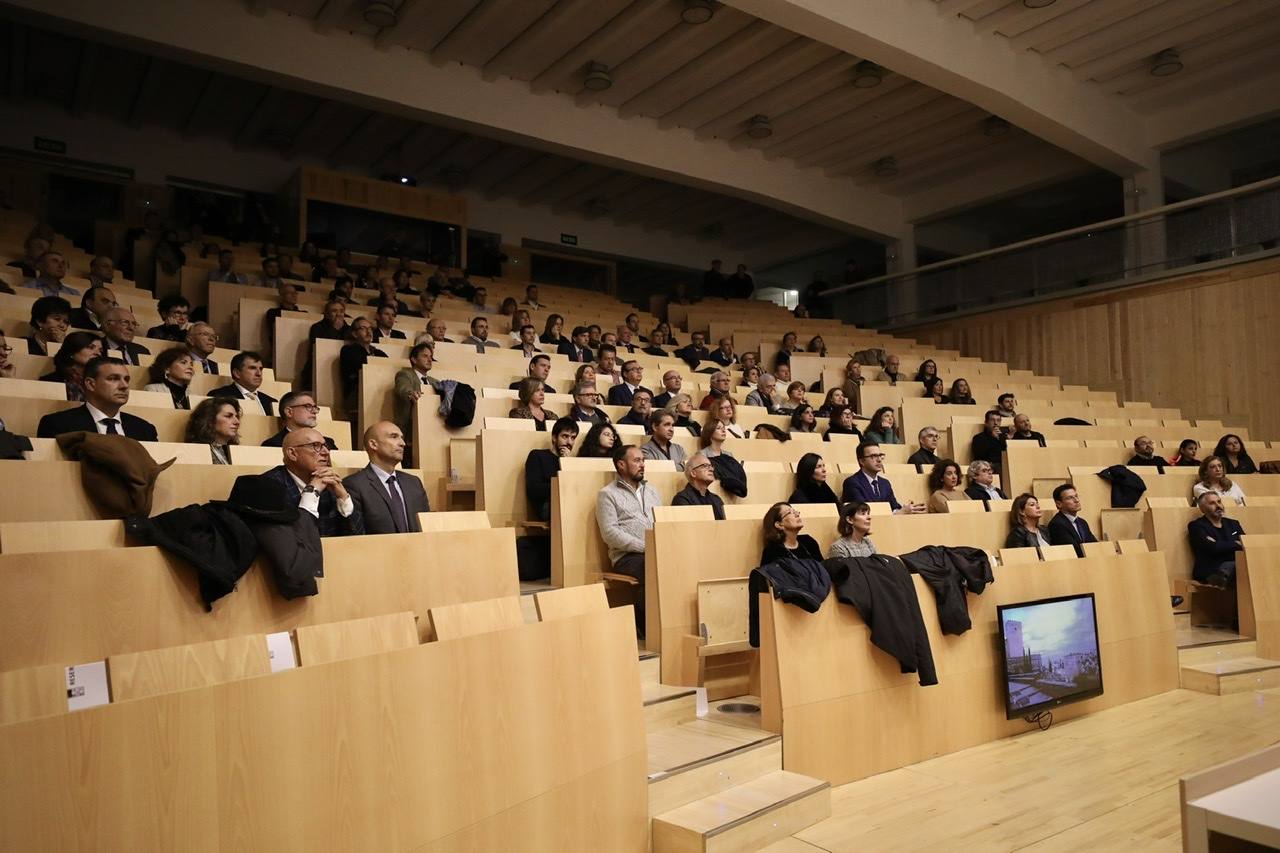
(782, 536)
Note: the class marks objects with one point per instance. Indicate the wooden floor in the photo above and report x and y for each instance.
(1108, 781)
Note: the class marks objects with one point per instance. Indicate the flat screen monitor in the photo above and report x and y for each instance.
(1051, 654)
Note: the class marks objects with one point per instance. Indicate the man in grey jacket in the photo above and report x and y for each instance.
(624, 511)
(763, 393)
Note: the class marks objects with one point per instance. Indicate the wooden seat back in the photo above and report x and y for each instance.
(452, 621)
(371, 635)
(148, 673)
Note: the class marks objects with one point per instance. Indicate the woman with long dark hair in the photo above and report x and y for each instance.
(77, 349)
(811, 482)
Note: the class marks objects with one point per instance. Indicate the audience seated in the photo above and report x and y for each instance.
(174, 314)
(632, 324)
(202, 340)
(1231, 451)
(437, 329)
(660, 444)
(541, 465)
(867, 486)
(479, 337)
(246, 375)
(1144, 453)
(298, 410)
(1067, 528)
(944, 485)
(763, 394)
(7, 368)
(575, 349)
(855, 528)
(695, 351)
(585, 401)
(172, 372)
(672, 382)
(750, 377)
(226, 269)
(607, 363)
(50, 321)
(927, 370)
(811, 482)
(681, 408)
(1025, 530)
(384, 327)
(1007, 405)
(94, 305)
(701, 474)
(795, 398)
(531, 398)
(982, 480)
(1215, 540)
(216, 422)
(540, 369)
(528, 343)
(119, 328)
(835, 399)
(657, 340)
(725, 410)
(883, 428)
(106, 391)
(599, 442)
(407, 387)
(314, 486)
(1186, 456)
(723, 354)
(632, 377)
(891, 371)
(853, 382)
(641, 408)
(624, 511)
(959, 394)
(927, 454)
(935, 388)
(33, 248)
(990, 444)
(719, 389)
(782, 536)
(531, 298)
(841, 423)
(551, 333)
(1022, 430)
(387, 500)
(1213, 478)
(50, 270)
(77, 350)
(585, 374)
(803, 419)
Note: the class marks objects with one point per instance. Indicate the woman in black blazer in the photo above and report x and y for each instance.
(1026, 531)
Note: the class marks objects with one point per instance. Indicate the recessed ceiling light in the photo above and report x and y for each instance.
(1166, 63)
(758, 127)
(885, 167)
(379, 13)
(995, 126)
(1038, 4)
(697, 11)
(867, 75)
(598, 77)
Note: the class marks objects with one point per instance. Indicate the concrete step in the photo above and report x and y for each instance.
(668, 706)
(1238, 675)
(694, 760)
(745, 817)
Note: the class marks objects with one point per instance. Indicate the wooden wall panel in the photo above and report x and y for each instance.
(1194, 342)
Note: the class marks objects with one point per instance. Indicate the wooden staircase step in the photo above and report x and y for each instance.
(1217, 652)
(745, 817)
(1238, 675)
(694, 760)
(668, 706)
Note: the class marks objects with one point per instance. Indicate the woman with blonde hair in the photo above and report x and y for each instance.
(725, 410)
(680, 407)
(1213, 478)
(1025, 530)
(531, 397)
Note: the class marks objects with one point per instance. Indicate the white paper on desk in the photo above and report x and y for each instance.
(280, 651)
(87, 686)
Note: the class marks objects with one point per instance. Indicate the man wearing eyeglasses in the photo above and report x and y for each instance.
(701, 474)
(867, 486)
(119, 328)
(298, 410)
(202, 340)
(317, 489)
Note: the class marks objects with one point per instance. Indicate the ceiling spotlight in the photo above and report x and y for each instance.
(867, 75)
(598, 77)
(995, 126)
(596, 207)
(758, 127)
(697, 11)
(1038, 4)
(403, 179)
(1166, 63)
(885, 167)
(379, 13)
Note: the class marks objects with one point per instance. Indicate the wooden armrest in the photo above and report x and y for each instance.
(613, 577)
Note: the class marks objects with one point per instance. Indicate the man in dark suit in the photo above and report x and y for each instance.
(632, 376)
(867, 486)
(1215, 540)
(202, 340)
(540, 369)
(388, 500)
(989, 445)
(694, 351)
(314, 486)
(94, 305)
(1067, 528)
(385, 327)
(298, 410)
(106, 390)
(246, 371)
(576, 349)
(119, 328)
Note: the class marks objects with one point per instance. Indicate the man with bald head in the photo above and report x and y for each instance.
(701, 474)
(387, 500)
(314, 486)
(436, 327)
(202, 340)
(119, 327)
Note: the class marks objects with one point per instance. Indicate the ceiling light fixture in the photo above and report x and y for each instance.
(379, 13)
(885, 167)
(995, 126)
(867, 75)
(1166, 63)
(697, 11)
(598, 77)
(1038, 4)
(758, 127)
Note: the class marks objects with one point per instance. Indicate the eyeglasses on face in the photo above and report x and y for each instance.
(310, 407)
(315, 447)
(700, 467)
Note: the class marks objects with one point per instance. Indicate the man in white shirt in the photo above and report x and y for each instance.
(106, 391)
(388, 500)
(311, 482)
(531, 298)
(246, 371)
(202, 340)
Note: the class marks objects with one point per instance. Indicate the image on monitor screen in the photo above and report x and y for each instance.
(1050, 653)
